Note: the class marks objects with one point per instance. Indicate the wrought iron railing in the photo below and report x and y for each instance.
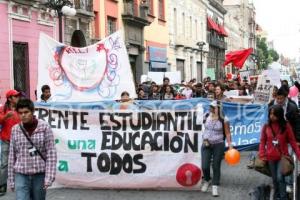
(215, 41)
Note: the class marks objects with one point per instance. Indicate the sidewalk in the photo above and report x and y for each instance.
(236, 182)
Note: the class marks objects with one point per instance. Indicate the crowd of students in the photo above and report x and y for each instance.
(186, 90)
(17, 120)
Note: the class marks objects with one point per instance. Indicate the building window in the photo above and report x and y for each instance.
(161, 9)
(183, 24)
(196, 30)
(175, 21)
(21, 67)
(191, 32)
(199, 71)
(111, 25)
(151, 10)
(180, 67)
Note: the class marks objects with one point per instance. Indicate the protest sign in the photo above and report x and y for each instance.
(93, 73)
(141, 144)
(264, 90)
(157, 77)
(175, 77)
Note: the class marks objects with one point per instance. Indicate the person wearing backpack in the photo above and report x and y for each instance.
(213, 146)
(274, 140)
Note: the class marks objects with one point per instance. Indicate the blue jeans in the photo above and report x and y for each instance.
(4, 162)
(279, 182)
(216, 152)
(30, 187)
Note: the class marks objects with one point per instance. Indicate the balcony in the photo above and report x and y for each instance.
(215, 41)
(217, 4)
(179, 41)
(84, 7)
(136, 13)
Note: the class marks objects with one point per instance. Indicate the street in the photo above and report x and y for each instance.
(236, 182)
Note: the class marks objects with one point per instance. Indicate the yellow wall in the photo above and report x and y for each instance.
(156, 32)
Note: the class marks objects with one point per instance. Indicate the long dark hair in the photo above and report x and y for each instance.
(279, 113)
(220, 111)
(6, 105)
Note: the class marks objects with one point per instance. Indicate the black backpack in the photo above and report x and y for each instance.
(261, 192)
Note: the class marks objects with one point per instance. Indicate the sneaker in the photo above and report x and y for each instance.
(289, 189)
(205, 186)
(214, 191)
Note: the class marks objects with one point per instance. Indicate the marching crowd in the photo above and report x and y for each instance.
(186, 90)
(28, 155)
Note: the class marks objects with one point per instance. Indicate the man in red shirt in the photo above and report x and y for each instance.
(8, 118)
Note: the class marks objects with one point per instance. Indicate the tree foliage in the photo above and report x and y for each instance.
(274, 54)
(265, 56)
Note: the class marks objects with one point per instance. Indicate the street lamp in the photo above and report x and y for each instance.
(61, 7)
(201, 44)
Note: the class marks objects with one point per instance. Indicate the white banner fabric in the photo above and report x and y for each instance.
(132, 148)
(93, 73)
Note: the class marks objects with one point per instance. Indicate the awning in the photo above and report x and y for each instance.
(223, 31)
(158, 64)
(212, 25)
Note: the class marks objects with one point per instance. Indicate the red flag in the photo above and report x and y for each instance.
(237, 58)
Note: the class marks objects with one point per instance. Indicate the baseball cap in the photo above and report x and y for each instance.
(10, 93)
(214, 104)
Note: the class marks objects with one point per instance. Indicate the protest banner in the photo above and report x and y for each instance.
(264, 90)
(93, 73)
(141, 144)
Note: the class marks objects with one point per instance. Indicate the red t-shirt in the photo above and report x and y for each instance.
(8, 123)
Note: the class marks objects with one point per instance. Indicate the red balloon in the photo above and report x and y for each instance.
(232, 157)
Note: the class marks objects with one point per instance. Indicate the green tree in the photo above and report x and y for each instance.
(274, 54)
(264, 54)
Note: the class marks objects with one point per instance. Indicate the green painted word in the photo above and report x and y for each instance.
(63, 166)
(82, 144)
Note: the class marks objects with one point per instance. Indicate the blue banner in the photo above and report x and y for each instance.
(246, 120)
(157, 54)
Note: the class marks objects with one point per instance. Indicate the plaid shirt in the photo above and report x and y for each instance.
(21, 162)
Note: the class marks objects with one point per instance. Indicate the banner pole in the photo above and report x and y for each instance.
(295, 174)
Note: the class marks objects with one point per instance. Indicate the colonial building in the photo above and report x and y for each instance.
(21, 24)
(22, 21)
(216, 35)
(187, 43)
(157, 37)
(241, 23)
(83, 21)
(145, 27)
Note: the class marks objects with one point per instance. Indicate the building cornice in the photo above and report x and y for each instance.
(218, 6)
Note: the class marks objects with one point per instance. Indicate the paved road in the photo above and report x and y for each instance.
(236, 182)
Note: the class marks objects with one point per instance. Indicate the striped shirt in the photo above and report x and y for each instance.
(20, 160)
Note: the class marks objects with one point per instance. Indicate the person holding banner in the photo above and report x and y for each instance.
(8, 118)
(275, 137)
(46, 94)
(213, 146)
(32, 155)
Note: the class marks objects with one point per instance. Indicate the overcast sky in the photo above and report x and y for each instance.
(280, 18)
